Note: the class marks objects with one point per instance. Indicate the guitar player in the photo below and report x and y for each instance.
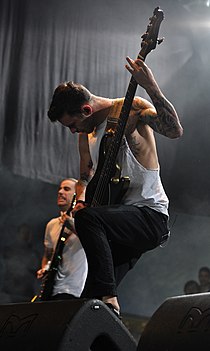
(72, 271)
(113, 234)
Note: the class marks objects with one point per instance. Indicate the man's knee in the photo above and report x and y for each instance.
(84, 218)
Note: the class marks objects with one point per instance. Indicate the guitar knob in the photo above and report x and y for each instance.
(159, 41)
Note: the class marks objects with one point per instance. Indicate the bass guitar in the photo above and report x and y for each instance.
(107, 186)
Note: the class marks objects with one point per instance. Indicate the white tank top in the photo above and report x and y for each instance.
(145, 187)
(72, 272)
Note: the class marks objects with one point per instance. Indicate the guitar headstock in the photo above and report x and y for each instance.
(150, 37)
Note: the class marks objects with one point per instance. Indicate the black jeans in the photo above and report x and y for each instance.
(116, 236)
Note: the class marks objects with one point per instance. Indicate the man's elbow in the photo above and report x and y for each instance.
(180, 132)
(177, 133)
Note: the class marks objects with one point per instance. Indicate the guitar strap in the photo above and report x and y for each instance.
(113, 116)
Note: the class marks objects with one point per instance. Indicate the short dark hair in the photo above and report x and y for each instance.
(71, 179)
(67, 98)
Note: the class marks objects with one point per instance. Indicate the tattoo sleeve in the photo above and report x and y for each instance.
(166, 122)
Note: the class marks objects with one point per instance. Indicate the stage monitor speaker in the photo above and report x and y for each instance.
(70, 325)
(180, 323)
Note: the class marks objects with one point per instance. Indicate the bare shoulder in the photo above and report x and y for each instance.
(139, 103)
(51, 223)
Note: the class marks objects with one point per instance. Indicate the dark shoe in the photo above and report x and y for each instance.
(114, 310)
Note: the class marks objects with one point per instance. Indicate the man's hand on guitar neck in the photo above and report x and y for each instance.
(68, 220)
(142, 73)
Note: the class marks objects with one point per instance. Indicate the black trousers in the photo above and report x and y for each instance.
(114, 237)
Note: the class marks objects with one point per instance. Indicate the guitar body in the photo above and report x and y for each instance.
(113, 191)
(48, 279)
(48, 283)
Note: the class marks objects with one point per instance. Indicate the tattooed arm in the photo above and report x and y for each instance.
(164, 119)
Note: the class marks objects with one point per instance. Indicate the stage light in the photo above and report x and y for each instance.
(196, 5)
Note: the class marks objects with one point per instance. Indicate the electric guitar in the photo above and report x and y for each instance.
(48, 279)
(107, 186)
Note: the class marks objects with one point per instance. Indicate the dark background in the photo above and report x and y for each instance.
(45, 42)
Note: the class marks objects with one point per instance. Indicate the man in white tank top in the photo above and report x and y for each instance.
(116, 233)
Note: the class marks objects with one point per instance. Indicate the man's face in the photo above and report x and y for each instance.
(74, 123)
(78, 123)
(65, 194)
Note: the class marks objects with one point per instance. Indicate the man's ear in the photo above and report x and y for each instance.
(87, 110)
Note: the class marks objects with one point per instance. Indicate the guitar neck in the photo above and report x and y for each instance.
(124, 114)
(56, 259)
(120, 128)
(110, 160)
(62, 238)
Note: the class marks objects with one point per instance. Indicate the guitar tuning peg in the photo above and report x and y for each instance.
(144, 36)
(160, 40)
